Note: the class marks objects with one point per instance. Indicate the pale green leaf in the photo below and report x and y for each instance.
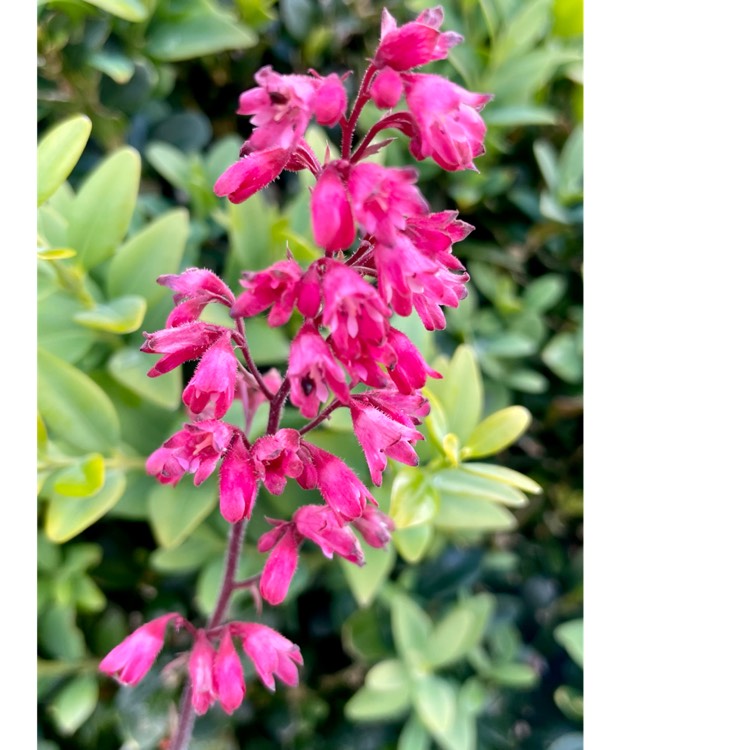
(171, 163)
(376, 705)
(72, 705)
(413, 499)
(413, 736)
(570, 702)
(365, 582)
(174, 512)
(58, 253)
(388, 675)
(470, 514)
(121, 315)
(128, 10)
(515, 675)
(58, 152)
(435, 702)
(128, 366)
(411, 629)
(503, 474)
(117, 66)
(544, 292)
(497, 432)
(413, 542)
(570, 636)
(81, 479)
(459, 484)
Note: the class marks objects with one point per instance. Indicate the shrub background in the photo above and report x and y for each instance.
(159, 82)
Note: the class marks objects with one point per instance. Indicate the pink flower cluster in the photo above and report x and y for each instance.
(385, 255)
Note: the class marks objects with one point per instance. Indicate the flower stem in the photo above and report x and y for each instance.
(242, 340)
(347, 129)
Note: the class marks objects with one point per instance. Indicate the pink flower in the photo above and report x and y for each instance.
(449, 127)
(276, 287)
(210, 392)
(386, 89)
(194, 288)
(312, 370)
(129, 661)
(375, 527)
(251, 173)
(319, 524)
(275, 458)
(415, 43)
(410, 371)
(381, 437)
(270, 652)
(383, 197)
(330, 102)
(405, 408)
(196, 449)
(338, 484)
(252, 397)
(332, 217)
(200, 669)
(229, 681)
(180, 344)
(238, 482)
(281, 563)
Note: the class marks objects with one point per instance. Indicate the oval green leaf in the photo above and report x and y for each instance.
(435, 700)
(74, 703)
(570, 636)
(82, 479)
(174, 512)
(469, 514)
(503, 474)
(390, 674)
(122, 315)
(58, 152)
(128, 10)
(366, 581)
(414, 500)
(497, 432)
(413, 542)
(411, 628)
(128, 366)
(460, 483)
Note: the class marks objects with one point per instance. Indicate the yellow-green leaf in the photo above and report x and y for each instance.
(470, 514)
(497, 432)
(505, 475)
(128, 366)
(366, 581)
(413, 499)
(81, 479)
(58, 152)
(128, 10)
(175, 512)
(57, 253)
(459, 483)
(413, 542)
(122, 315)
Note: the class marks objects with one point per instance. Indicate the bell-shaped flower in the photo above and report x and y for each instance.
(210, 392)
(229, 680)
(238, 482)
(270, 652)
(410, 371)
(332, 216)
(415, 43)
(275, 458)
(319, 524)
(386, 89)
(201, 672)
(312, 370)
(449, 127)
(338, 484)
(129, 661)
(283, 541)
(329, 104)
(276, 287)
(382, 437)
(251, 173)
(180, 344)
(406, 408)
(196, 449)
(193, 289)
(375, 527)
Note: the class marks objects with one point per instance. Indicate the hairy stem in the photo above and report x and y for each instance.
(347, 128)
(242, 341)
(321, 417)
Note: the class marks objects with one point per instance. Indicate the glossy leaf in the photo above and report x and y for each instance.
(502, 474)
(366, 581)
(81, 479)
(74, 703)
(74, 407)
(69, 516)
(570, 636)
(468, 514)
(121, 315)
(101, 212)
(413, 542)
(58, 152)
(128, 10)
(497, 432)
(174, 512)
(414, 500)
(458, 484)
(128, 366)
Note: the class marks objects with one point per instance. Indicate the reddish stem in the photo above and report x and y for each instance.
(348, 125)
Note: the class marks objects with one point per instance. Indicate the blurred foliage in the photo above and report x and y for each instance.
(468, 632)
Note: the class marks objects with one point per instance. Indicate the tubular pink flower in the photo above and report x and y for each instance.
(408, 409)
(386, 89)
(338, 484)
(276, 287)
(329, 104)
(281, 563)
(449, 128)
(415, 43)
(129, 661)
(332, 217)
(251, 173)
(194, 288)
(312, 370)
(210, 392)
(319, 524)
(238, 482)
(381, 437)
(180, 344)
(200, 669)
(275, 458)
(229, 680)
(375, 527)
(252, 396)
(196, 449)
(270, 652)
(410, 371)
(308, 297)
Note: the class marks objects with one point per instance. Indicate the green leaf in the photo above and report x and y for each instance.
(411, 629)
(495, 433)
(128, 10)
(563, 356)
(520, 115)
(82, 479)
(171, 163)
(459, 631)
(570, 636)
(362, 637)
(74, 704)
(570, 174)
(193, 553)
(468, 514)
(435, 702)
(58, 152)
(413, 736)
(59, 253)
(414, 500)
(69, 516)
(121, 315)
(204, 29)
(376, 705)
(503, 474)
(460, 392)
(174, 512)
(58, 633)
(544, 292)
(74, 407)
(101, 212)
(515, 675)
(570, 702)
(569, 741)
(128, 366)
(366, 581)
(117, 66)
(413, 542)
(388, 675)
(249, 230)
(223, 153)
(155, 250)
(525, 28)
(459, 484)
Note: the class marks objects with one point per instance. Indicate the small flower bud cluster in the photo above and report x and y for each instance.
(385, 254)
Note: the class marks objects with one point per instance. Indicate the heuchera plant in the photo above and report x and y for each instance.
(385, 253)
